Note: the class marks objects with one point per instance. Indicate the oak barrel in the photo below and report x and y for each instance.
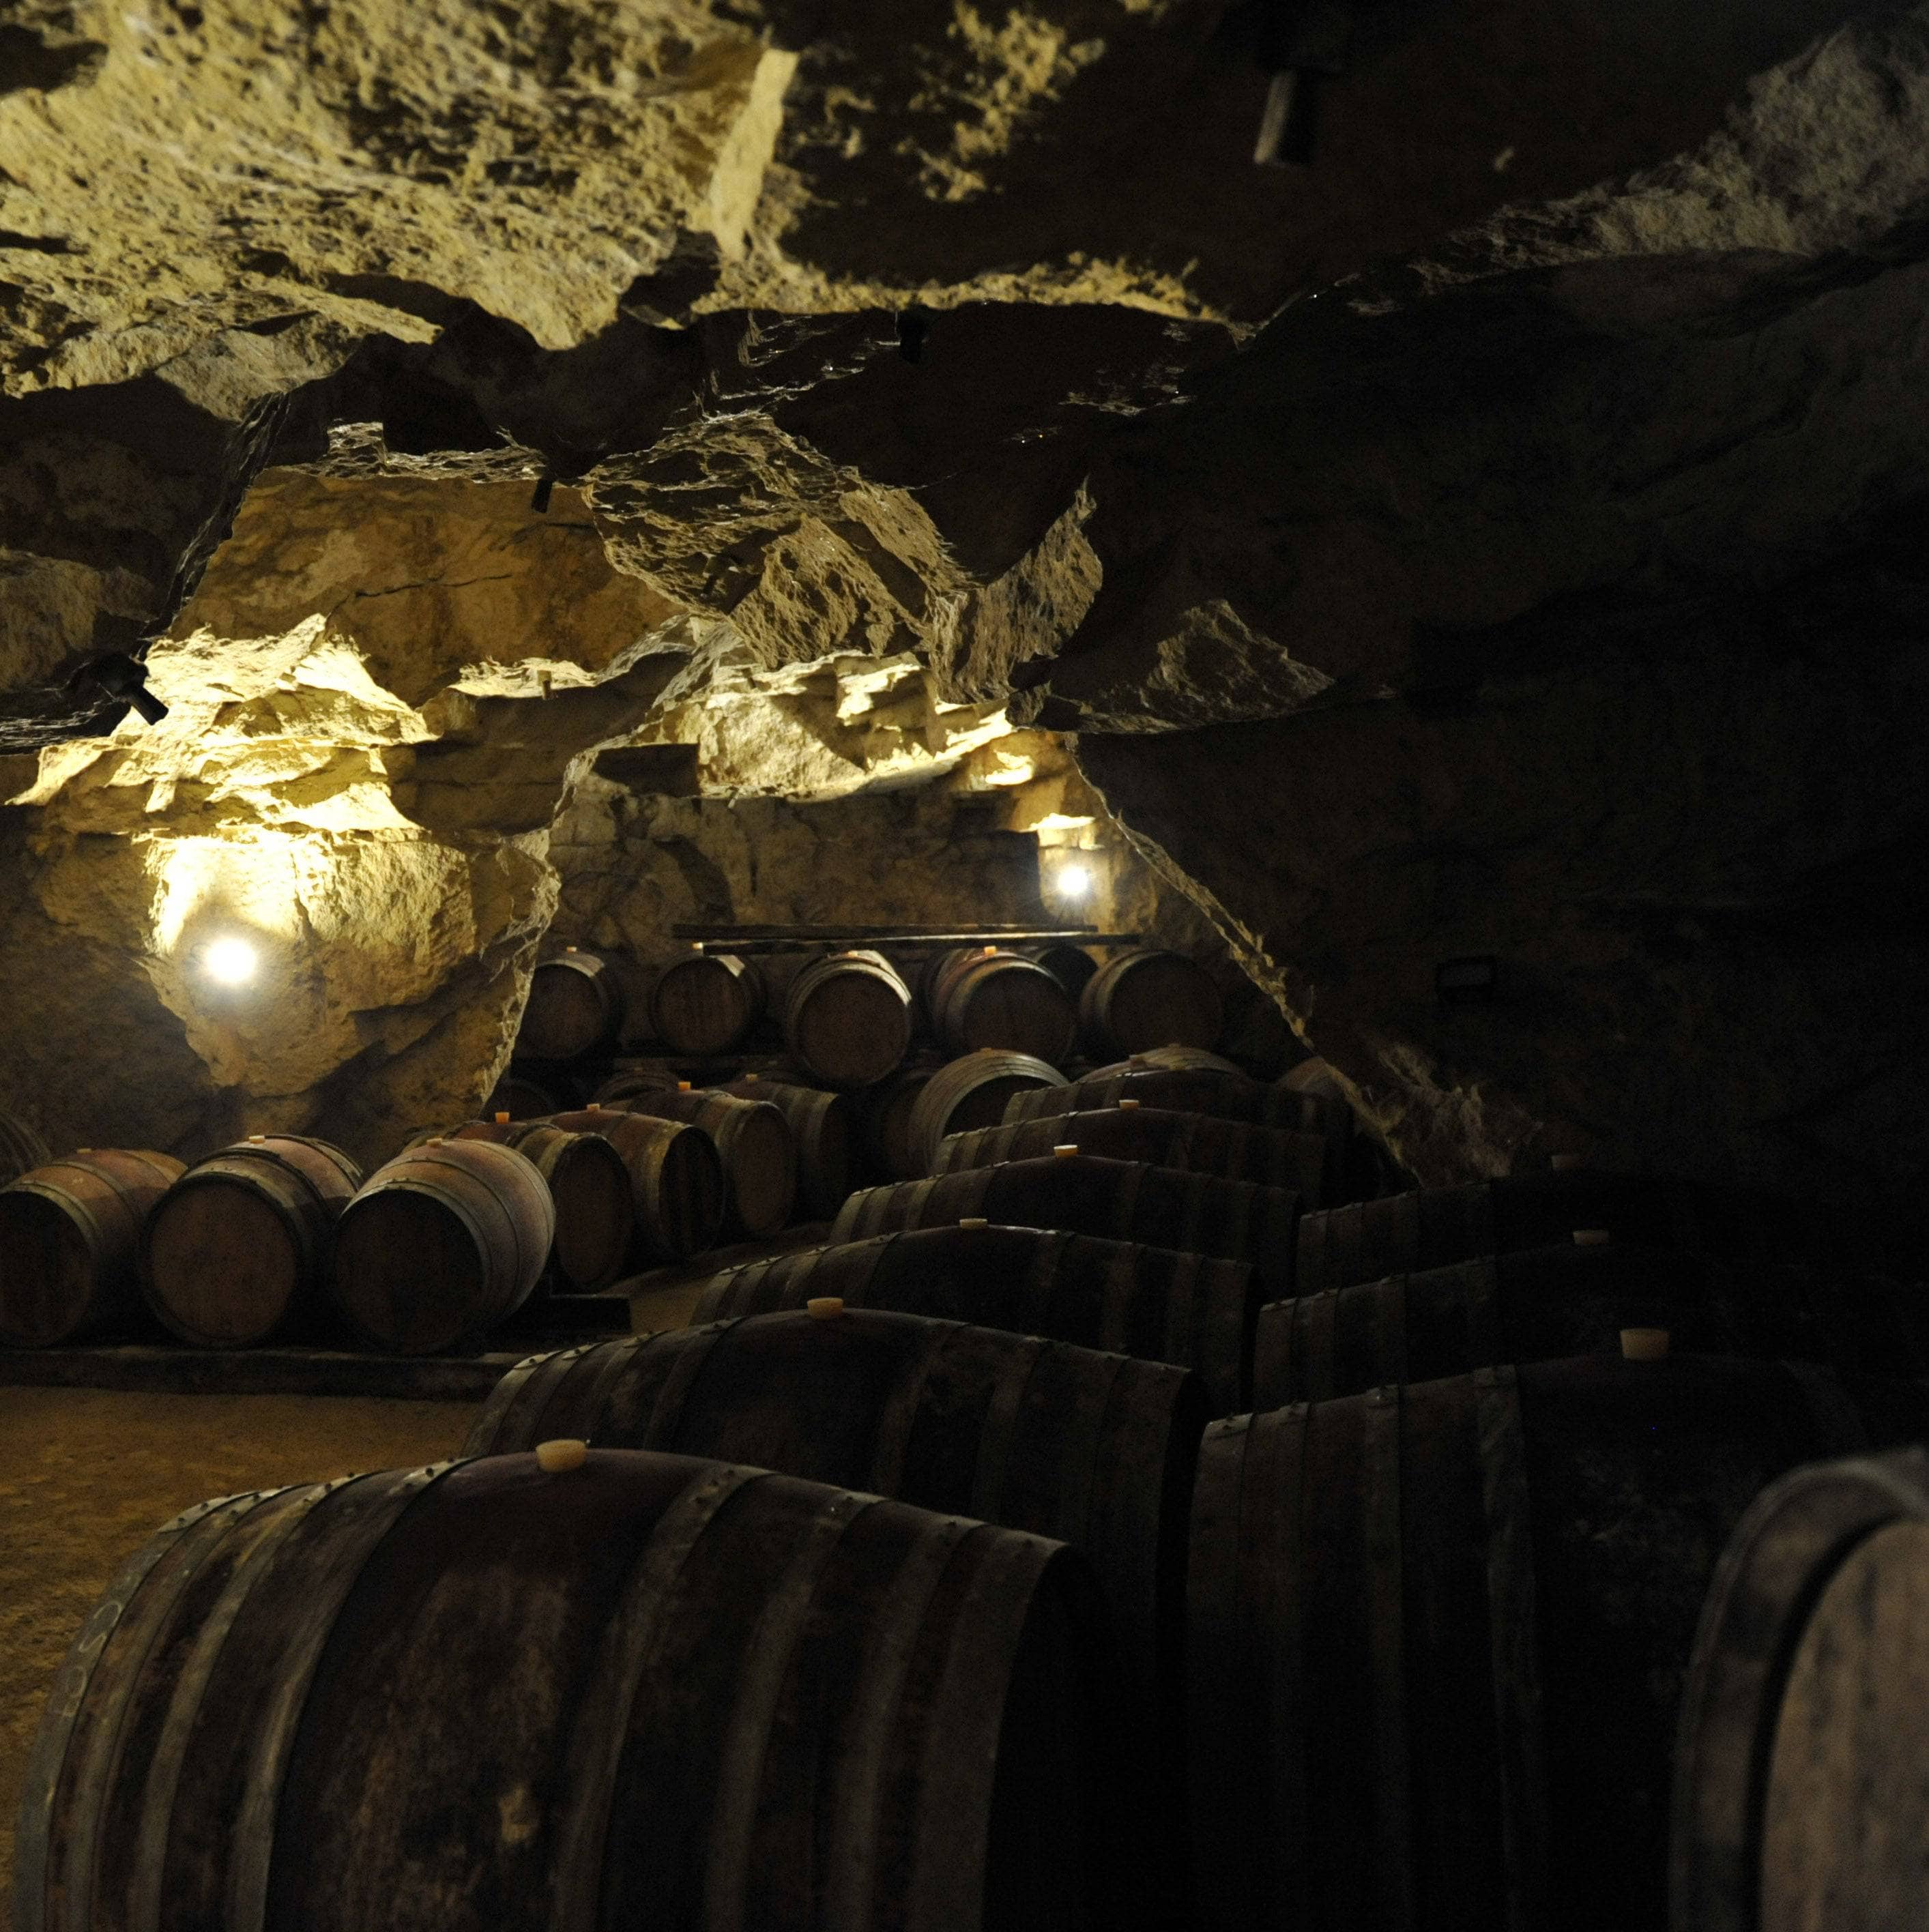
(237, 1252)
(595, 1219)
(888, 1151)
(847, 1019)
(443, 1243)
(972, 1092)
(678, 1191)
(758, 1149)
(1096, 1451)
(1539, 1304)
(1071, 966)
(575, 1006)
(1428, 1228)
(645, 1691)
(1196, 1142)
(1436, 1634)
(1143, 998)
(522, 1098)
(70, 1243)
(1801, 1781)
(820, 1124)
(22, 1150)
(1172, 1059)
(983, 996)
(705, 1003)
(1225, 1097)
(1121, 1296)
(1121, 1200)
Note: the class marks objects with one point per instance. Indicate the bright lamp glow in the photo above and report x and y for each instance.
(230, 960)
(1075, 881)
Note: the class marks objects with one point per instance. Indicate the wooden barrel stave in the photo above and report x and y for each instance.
(236, 1253)
(1125, 1200)
(754, 1139)
(968, 1092)
(1152, 1303)
(677, 1187)
(1143, 999)
(706, 1002)
(443, 1243)
(1435, 1632)
(847, 1019)
(1268, 1157)
(70, 1244)
(413, 1699)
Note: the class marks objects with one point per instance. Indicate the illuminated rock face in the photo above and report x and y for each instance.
(1549, 588)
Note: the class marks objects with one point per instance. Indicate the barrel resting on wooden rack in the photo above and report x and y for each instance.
(677, 1189)
(419, 1698)
(758, 1151)
(1154, 1302)
(1435, 1633)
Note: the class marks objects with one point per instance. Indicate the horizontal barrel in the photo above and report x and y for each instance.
(446, 1241)
(820, 1124)
(885, 1141)
(679, 1192)
(237, 1252)
(1799, 1795)
(1119, 1296)
(706, 1002)
(522, 1099)
(1070, 966)
(642, 1691)
(22, 1150)
(972, 1092)
(986, 996)
(1142, 998)
(1436, 1633)
(1171, 1059)
(1196, 1142)
(576, 1005)
(1539, 1304)
(595, 1220)
(1123, 1201)
(1225, 1097)
(1429, 1227)
(847, 1019)
(758, 1151)
(70, 1243)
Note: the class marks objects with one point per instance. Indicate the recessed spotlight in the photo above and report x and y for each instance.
(230, 960)
(1075, 882)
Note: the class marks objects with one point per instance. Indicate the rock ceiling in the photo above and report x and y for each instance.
(1501, 536)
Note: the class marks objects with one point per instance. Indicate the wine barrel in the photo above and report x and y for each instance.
(644, 1690)
(1542, 1303)
(1800, 1801)
(971, 1092)
(446, 1240)
(706, 1002)
(1122, 1200)
(70, 1243)
(1142, 998)
(1119, 1296)
(678, 1191)
(22, 1150)
(521, 1098)
(759, 1151)
(1428, 1228)
(847, 1019)
(1172, 1059)
(980, 997)
(1436, 1633)
(888, 1151)
(595, 1220)
(820, 1125)
(237, 1252)
(1071, 966)
(1196, 1142)
(1188, 1091)
(575, 1006)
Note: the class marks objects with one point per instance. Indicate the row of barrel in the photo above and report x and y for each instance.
(847, 1019)
(843, 1619)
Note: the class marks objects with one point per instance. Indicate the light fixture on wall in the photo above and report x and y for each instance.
(1073, 881)
(230, 960)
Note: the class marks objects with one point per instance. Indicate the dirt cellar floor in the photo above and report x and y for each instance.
(87, 1475)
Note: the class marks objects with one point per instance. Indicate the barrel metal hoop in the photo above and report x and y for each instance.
(1000, 1423)
(891, 1447)
(1389, 1308)
(1316, 1321)
(504, 1396)
(1393, 1820)
(1514, 1635)
(1042, 1278)
(693, 1349)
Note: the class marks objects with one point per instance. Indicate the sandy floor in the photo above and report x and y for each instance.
(87, 1474)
